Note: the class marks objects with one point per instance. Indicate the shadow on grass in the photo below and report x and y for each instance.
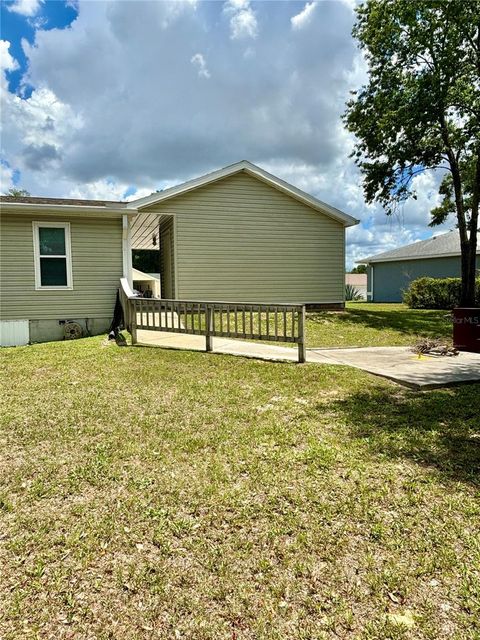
(414, 322)
(438, 429)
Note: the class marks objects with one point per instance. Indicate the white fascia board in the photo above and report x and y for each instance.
(184, 187)
(300, 195)
(27, 207)
(256, 172)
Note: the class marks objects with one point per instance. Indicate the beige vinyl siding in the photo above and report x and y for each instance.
(167, 234)
(96, 268)
(240, 239)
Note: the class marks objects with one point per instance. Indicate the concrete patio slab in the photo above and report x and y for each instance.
(403, 366)
(395, 363)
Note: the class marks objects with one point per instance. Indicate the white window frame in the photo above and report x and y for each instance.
(68, 256)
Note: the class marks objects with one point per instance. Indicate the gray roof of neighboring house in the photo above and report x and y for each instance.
(447, 244)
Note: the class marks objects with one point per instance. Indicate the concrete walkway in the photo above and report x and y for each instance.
(396, 363)
(407, 368)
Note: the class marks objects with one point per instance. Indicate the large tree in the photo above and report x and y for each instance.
(420, 109)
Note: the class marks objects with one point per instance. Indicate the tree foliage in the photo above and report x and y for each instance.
(17, 193)
(420, 109)
(360, 268)
(146, 260)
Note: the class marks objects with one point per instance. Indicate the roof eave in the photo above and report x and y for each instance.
(255, 171)
(29, 207)
(302, 196)
(374, 260)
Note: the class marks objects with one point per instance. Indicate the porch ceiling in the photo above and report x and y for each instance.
(144, 227)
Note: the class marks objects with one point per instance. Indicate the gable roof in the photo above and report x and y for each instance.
(135, 206)
(253, 170)
(141, 275)
(447, 244)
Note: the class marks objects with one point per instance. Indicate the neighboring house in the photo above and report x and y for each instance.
(390, 273)
(237, 234)
(359, 282)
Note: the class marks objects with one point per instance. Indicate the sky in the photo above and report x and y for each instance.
(117, 99)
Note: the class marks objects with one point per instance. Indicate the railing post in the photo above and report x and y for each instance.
(129, 314)
(133, 321)
(208, 327)
(301, 335)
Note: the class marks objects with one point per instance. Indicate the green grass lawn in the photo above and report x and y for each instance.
(148, 493)
(369, 324)
(362, 324)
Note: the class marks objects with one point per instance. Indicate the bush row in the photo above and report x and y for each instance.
(436, 293)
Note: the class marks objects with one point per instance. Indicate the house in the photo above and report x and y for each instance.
(59, 260)
(359, 282)
(390, 273)
(238, 234)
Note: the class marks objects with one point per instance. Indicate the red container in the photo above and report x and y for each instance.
(466, 329)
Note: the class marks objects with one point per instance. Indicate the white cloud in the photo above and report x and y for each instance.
(379, 232)
(303, 18)
(6, 178)
(357, 74)
(39, 121)
(200, 63)
(174, 9)
(25, 7)
(142, 131)
(238, 4)
(34, 131)
(118, 107)
(243, 21)
(139, 193)
(7, 62)
(106, 189)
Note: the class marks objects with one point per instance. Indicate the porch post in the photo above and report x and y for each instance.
(133, 321)
(127, 248)
(208, 327)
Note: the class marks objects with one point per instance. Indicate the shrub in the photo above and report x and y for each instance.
(436, 293)
(352, 294)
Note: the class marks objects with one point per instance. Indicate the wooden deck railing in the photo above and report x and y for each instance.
(249, 321)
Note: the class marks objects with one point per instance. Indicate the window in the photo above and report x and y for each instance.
(53, 261)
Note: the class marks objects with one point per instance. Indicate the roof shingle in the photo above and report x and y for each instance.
(68, 201)
(446, 244)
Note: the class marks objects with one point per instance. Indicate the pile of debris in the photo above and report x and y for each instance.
(434, 347)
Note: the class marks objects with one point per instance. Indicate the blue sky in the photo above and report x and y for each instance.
(117, 99)
(15, 26)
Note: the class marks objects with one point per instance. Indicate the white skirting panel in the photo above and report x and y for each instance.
(14, 333)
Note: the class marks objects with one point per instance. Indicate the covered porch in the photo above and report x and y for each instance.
(156, 232)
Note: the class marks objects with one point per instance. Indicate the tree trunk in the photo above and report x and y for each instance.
(467, 298)
(468, 242)
(469, 248)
